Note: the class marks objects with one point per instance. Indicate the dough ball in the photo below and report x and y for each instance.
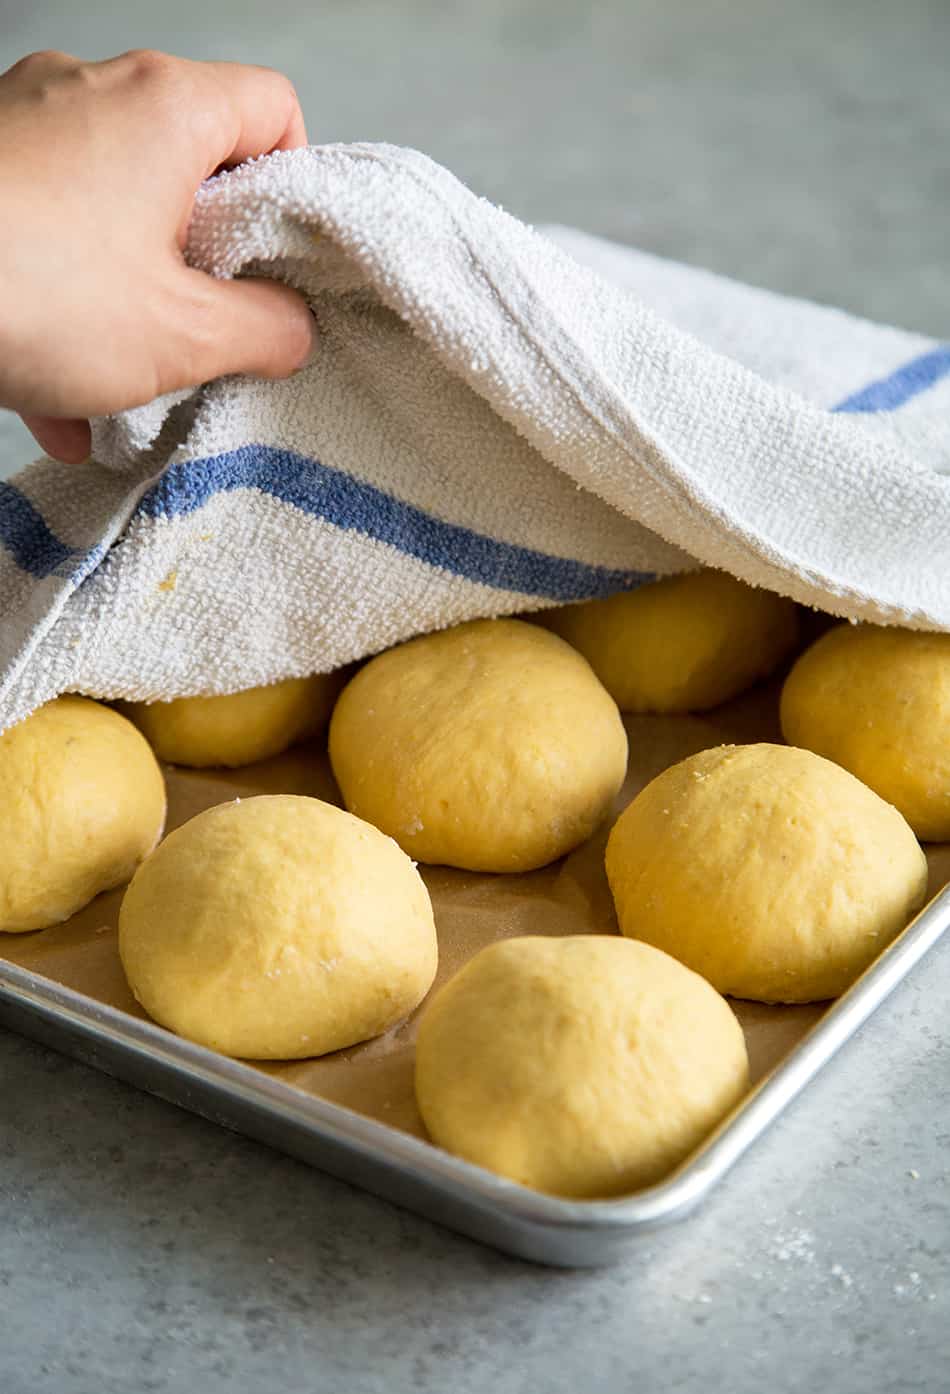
(277, 927)
(877, 701)
(239, 728)
(770, 871)
(584, 1066)
(491, 746)
(82, 801)
(681, 644)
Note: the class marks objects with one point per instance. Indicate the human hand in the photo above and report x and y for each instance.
(99, 165)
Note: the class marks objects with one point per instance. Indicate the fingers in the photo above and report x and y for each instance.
(238, 110)
(66, 440)
(145, 129)
(265, 109)
(248, 326)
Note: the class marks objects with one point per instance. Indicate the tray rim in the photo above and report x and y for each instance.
(544, 1227)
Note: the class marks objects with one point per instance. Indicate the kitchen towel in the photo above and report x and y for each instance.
(494, 419)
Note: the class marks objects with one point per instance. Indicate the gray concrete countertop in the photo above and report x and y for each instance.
(799, 147)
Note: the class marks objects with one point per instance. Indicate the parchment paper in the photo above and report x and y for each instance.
(471, 909)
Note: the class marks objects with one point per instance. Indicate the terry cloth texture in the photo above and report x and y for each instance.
(495, 419)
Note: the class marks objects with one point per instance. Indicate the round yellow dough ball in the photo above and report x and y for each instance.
(681, 644)
(491, 746)
(239, 728)
(82, 801)
(877, 701)
(584, 1066)
(277, 927)
(772, 872)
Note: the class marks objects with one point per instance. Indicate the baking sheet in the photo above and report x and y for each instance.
(471, 910)
(353, 1113)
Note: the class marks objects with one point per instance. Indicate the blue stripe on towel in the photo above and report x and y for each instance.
(352, 504)
(342, 500)
(24, 533)
(909, 381)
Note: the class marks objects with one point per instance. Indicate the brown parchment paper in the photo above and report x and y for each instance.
(471, 909)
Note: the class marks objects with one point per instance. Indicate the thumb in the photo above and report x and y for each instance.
(254, 326)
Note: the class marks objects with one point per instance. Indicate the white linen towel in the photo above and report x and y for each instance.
(494, 420)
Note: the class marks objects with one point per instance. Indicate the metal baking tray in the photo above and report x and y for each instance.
(283, 1107)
